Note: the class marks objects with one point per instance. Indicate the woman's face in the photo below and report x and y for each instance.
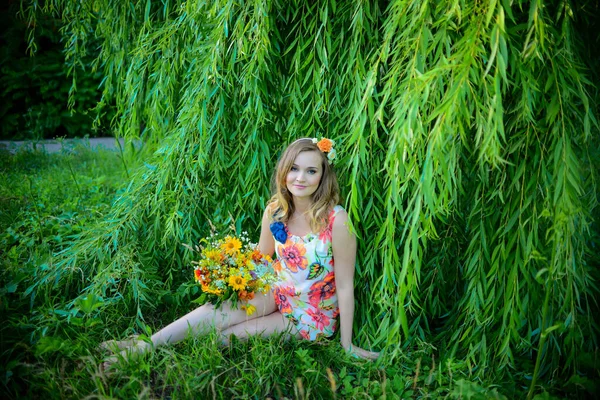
(305, 175)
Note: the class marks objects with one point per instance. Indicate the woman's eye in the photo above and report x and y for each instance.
(312, 172)
(294, 169)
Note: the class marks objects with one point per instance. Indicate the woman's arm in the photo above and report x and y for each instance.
(266, 244)
(344, 254)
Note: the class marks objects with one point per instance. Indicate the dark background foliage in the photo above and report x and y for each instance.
(468, 141)
(36, 83)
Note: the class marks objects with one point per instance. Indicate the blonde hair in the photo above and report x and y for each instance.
(324, 198)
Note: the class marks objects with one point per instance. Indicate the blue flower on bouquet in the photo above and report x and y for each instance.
(279, 232)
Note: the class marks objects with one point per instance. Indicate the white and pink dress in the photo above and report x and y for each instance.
(305, 292)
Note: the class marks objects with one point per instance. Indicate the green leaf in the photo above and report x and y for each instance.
(315, 270)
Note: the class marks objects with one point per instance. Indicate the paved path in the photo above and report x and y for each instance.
(54, 146)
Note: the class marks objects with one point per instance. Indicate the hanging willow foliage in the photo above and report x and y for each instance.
(467, 135)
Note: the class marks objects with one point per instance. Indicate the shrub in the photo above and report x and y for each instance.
(35, 89)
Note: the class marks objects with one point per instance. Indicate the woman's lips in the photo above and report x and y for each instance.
(300, 186)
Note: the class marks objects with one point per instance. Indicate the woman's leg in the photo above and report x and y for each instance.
(113, 345)
(264, 326)
(201, 321)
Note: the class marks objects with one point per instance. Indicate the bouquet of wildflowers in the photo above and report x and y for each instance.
(231, 268)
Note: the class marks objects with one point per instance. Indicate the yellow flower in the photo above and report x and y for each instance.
(207, 289)
(212, 254)
(237, 282)
(233, 272)
(241, 260)
(250, 309)
(218, 292)
(232, 245)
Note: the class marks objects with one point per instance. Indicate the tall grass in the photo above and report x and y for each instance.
(48, 349)
(469, 153)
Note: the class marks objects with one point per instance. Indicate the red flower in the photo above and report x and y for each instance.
(321, 320)
(334, 326)
(326, 234)
(322, 290)
(305, 334)
(281, 300)
(197, 274)
(288, 291)
(293, 254)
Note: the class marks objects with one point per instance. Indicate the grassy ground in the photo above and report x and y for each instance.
(47, 351)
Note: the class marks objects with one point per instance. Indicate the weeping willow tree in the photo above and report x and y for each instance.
(467, 138)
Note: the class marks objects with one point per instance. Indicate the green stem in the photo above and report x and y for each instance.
(37, 210)
(74, 178)
(538, 359)
(122, 158)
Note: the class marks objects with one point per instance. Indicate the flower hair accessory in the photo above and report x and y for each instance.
(326, 146)
(279, 232)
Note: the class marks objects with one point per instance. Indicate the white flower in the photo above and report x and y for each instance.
(331, 155)
(314, 140)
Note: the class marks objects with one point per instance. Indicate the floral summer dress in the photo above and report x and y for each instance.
(305, 292)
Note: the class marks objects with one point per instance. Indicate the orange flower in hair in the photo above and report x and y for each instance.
(325, 145)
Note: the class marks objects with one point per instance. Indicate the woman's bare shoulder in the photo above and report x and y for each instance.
(340, 220)
(270, 209)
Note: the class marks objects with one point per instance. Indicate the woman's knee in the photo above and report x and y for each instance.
(264, 303)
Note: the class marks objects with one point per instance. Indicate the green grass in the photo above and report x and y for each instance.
(259, 368)
(467, 135)
(49, 346)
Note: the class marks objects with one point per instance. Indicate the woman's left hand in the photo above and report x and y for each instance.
(362, 353)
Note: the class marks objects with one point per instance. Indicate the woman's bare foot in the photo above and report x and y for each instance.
(129, 353)
(117, 345)
(357, 352)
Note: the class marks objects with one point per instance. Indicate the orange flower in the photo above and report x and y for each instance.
(277, 266)
(293, 254)
(256, 256)
(197, 274)
(244, 295)
(325, 145)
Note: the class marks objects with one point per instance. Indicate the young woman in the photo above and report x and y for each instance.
(316, 253)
